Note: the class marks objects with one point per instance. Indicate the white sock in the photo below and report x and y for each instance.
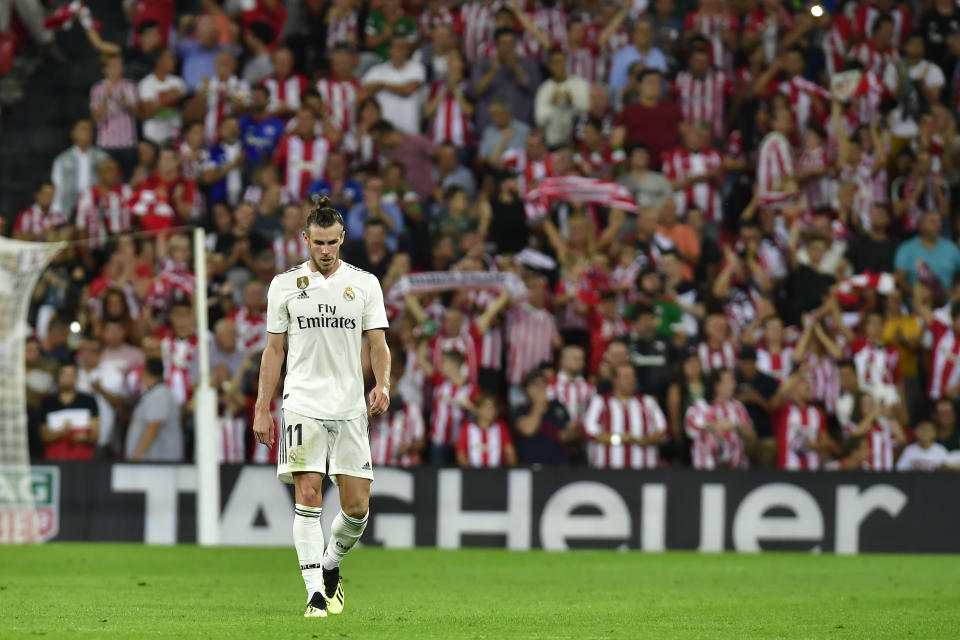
(308, 539)
(344, 533)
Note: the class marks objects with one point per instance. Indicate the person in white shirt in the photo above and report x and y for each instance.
(323, 309)
(925, 454)
(914, 81)
(75, 170)
(159, 94)
(107, 385)
(560, 100)
(396, 84)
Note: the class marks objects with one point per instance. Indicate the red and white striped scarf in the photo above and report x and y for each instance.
(577, 189)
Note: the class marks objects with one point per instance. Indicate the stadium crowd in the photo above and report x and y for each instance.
(622, 235)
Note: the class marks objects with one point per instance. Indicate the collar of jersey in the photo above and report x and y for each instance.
(317, 274)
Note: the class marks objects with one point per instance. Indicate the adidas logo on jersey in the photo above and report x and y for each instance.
(303, 296)
(366, 466)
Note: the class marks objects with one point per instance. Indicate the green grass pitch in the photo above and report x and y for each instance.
(132, 591)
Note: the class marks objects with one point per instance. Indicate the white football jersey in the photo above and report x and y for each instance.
(324, 319)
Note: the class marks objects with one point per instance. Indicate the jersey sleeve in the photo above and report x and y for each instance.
(278, 319)
(374, 313)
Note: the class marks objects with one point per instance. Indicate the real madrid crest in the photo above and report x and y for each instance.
(348, 294)
(302, 282)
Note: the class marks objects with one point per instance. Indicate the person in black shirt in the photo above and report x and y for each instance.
(806, 286)
(650, 352)
(873, 250)
(755, 390)
(503, 220)
(542, 427)
(371, 254)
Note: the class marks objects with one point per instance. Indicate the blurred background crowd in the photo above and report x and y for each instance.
(725, 229)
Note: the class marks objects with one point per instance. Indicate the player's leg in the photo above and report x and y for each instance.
(308, 538)
(350, 465)
(345, 531)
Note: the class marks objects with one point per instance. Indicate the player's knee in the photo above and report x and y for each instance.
(310, 496)
(357, 508)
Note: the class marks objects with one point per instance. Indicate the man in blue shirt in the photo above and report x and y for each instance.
(259, 131)
(373, 208)
(927, 250)
(199, 53)
(641, 50)
(343, 191)
(223, 170)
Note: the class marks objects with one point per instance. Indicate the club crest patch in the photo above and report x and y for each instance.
(348, 294)
(302, 282)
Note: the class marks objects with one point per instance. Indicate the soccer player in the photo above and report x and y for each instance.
(323, 307)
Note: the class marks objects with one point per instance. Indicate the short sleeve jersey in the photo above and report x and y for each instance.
(324, 319)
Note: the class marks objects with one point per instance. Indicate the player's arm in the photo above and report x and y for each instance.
(380, 363)
(270, 363)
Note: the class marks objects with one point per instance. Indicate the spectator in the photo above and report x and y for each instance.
(114, 105)
(386, 23)
(918, 191)
(413, 151)
(223, 170)
(155, 434)
(873, 249)
(341, 90)
(650, 352)
(302, 156)
(337, 185)
(449, 109)
(801, 428)
(259, 130)
(720, 429)
(651, 120)
(559, 101)
(396, 86)
(505, 77)
(640, 50)
(452, 397)
(756, 390)
(944, 418)
(398, 438)
(373, 208)
(449, 173)
(40, 219)
(504, 133)
(285, 85)
(624, 427)
(160, 93)
(928, 257)
(104, 209)
(544, 427)
(872, 421)
(139, 60)
(74, 169)
(108, 386)
(198, 50)
(372, 254)
(165, 198)
(485, 441)
(925, 454)
(259, 66)
(218, 96)
(225, 347)
(70, 426)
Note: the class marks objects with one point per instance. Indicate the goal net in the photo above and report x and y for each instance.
(21, 264)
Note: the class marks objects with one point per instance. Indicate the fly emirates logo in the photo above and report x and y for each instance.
(326, 320)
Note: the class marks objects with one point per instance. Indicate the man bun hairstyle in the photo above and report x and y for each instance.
(322, 214)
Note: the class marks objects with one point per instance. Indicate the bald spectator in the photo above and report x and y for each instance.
(225, 348)
(198, 50)
(75, 170)
(503, 134)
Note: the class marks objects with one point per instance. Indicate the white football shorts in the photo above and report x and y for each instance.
(333, 447)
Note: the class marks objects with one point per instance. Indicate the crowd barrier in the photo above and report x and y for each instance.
(553, 508)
